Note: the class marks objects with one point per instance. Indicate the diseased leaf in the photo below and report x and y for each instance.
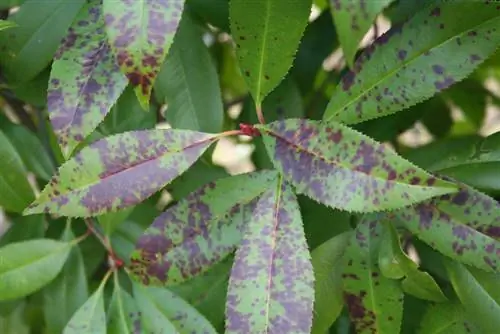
(189, 84)
(27, 266)
(197, 232)
(123, 313)
(120, 171)
(342, 168)
(352, 20)
(267, 39)
(327, 265)
(85, 80)
(461, 225)
(90, 317)
(164, 312)
(375, 303)
(271, 288)
(140, 33)
(401, 69)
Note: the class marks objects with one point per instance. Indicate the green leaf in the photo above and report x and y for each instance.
(188, 82)
(28, 48)
(375, 303)
(352, 20)
(215, 12)
(436, 116)
(68, 291)
(90, 317)
(85, 80)
(123, 313)
(421, 285)
(266, 46)
(15, 321)
(27, 266)
(110, 221)
(462, 226)
(341, 168)
(164, 312)
(140, 33)
(15, 191)
(401, 69)
(120, 171)
(199, 231)
(445, 318)
(24, 228)
(327, 265)
(478, 304)
(271, 288)
(6, 25)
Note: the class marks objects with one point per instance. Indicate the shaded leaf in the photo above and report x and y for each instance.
(120, 171)
(436, 116)
(215, 12)
(164, 312)
(420, 284)
(27, 266)
(266, 47)
(401, 69)
(15, 321)
(339, 167)
(327, 265)
(85, 80)
(110, 221)
(140, 33)
(188, 82)
(446, 318)
(197, 232)
(352, 20)
(24, 228)
(6, 24)
(375, 303)
(123, 313)
(271, 288)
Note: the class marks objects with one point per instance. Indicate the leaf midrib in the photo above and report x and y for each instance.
(263, 45)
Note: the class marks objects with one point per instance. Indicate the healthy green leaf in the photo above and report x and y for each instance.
(15, 321)
(215, 12)
(375, 303)
(15, 191)
(421, 285)
(401, 69)
(24, 228)
(90, 317)
(352, 20)
(110, 221)
(85, 80)
(271, 288)
(140, 33)
(327, 265)
(41, 25)
(197, 232)
(445, 318)
(27, 266)
(6, 25)
(188, 82)
(123, 314)
(266, 46)
(68, 291)
(120, 171)
(339, 167)
(164, 312)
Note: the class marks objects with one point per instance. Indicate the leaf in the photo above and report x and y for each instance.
(401, 69)
(342, 168)
(352, 20)
(215, 12)
(68, 291)
(265, 47)
(477, 303)
(436, 116)
(27, 266)
(123, 313)
(28, 48)
(164, 312)
(445, 318)
(188, 82)
(15, 321)
(140, 33)
(15, 191)
(271, 287)
(6, 25)
(197, 232)
(421, 285)
(375, 303)
(110, 221)
(85, 81)
(327, 265)
(90, 317)
(462, 226)
(120, 171)
(24, 228)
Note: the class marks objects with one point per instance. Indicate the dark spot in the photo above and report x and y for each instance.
(438, 69)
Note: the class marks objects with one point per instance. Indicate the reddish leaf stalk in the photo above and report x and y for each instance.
(114, 261)
(260, 115)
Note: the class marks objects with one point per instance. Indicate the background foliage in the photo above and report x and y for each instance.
(118, 216)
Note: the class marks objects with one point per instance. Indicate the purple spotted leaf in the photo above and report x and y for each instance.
(85, 80)
(442, 44)
(462, 226)
(339, 167)
(374, 302)
(199, 231)
(120, 171)
(271, 287)
(141, 33)
(352, 21)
